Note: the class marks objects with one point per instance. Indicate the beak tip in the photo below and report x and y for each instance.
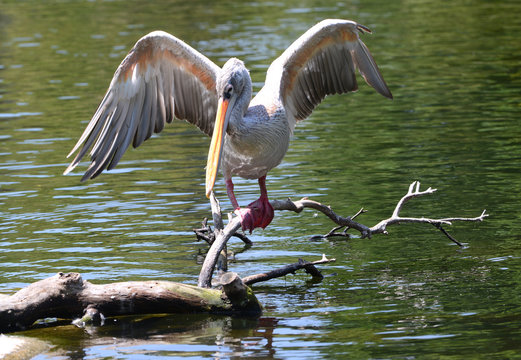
(209, 190)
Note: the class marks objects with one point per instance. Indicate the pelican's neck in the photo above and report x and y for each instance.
(243, 102)
(235, 73)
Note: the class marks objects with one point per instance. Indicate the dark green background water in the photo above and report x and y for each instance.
(455, 71)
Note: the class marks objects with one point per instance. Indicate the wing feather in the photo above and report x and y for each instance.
(160, 78)
(368, 68)
(322, 62)
(128, 130)
(142, 129)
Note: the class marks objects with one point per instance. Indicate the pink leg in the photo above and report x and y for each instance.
(231, 194)
(259, 213)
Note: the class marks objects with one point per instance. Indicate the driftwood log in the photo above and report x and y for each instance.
(67, 296)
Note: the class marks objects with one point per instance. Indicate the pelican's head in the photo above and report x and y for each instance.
(234, 90)
(235, 77)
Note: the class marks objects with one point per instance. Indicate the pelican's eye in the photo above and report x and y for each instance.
(228, 91)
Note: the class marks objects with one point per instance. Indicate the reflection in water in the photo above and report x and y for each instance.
(180, 335)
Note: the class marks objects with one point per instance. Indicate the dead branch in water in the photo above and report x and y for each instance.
(223, 234)
(289, 269)
(68, 296)
(381, 227)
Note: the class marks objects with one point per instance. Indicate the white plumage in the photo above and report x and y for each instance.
(162, 77)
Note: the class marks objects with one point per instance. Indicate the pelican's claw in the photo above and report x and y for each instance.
(258, 214)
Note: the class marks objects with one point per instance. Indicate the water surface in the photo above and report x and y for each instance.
(453, 68)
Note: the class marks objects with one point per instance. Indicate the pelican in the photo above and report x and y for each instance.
(162, 77)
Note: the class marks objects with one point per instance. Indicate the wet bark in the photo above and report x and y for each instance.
(67, 296)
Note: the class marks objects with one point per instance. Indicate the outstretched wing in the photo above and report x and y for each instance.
(160, 77)
(322, 62)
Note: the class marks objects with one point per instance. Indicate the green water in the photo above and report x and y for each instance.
(455, 72)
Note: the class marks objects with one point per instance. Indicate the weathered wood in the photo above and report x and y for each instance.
(67, 296)
(221, 238)
(289, 269)
(238, 293)
(381, 227)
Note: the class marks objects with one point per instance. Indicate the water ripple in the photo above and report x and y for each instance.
(19, 114)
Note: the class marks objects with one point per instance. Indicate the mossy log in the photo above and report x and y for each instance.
(68, 296)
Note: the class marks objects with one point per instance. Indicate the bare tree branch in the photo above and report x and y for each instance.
(222, 235)
(414, 191)
(221, 238)
(447, 234)
(333, 232)
(289, 269)
(381, 227)
(207, 234)
(299, 205)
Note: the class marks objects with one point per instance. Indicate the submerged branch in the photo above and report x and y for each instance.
(289, 269)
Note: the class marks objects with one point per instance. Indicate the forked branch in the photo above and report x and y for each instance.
(381, 227)
(222, 235)
(414, 191)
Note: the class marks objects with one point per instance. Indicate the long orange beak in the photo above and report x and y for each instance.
(214, 154)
